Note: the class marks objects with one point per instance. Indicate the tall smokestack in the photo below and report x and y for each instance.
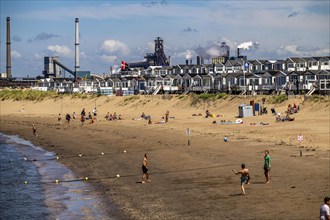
(198, 60)
(76, 66)
(238, 52)
(8, 65)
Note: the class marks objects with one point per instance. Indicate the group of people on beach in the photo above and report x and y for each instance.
(245, 173)
(112, 117)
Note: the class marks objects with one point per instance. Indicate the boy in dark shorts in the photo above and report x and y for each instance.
(245, 176)
(145, 169)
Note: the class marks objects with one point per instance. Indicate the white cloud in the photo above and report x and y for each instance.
(82, 55)
(15, 54)
(188, 54)
(61, 50)
(114, 47)
(151, 46)
(294, 50)
(109, 59)
(37, 56)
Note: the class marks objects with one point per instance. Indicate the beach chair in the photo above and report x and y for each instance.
(273, 111)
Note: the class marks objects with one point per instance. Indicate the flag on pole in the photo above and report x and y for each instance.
(246, 66)
(123, 65)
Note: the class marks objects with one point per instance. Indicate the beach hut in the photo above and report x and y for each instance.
(245, 111)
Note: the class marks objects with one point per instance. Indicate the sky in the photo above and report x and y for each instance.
(112, 31)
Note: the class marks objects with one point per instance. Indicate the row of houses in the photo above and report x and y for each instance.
(236, 65)
(240, 82)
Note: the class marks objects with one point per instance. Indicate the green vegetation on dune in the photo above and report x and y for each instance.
(277, 99)
(34, 95)
(195, 99)
(29, 95)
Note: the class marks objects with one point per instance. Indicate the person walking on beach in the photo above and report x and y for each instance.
(325, 209)
(245, 176)
(267, 165)
(166, 116)
(83, 113)
(67, 118)
(94, 112)
(59, 118)
(34, 130)
(82, 119)
(145, 169)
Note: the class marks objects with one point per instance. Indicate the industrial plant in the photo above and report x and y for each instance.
(155, 74)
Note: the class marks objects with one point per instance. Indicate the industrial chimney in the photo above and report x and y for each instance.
(198, 60)
(238, 53)
(8, 65)
(76, 66)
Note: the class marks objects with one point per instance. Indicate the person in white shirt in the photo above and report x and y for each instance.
(325, 209)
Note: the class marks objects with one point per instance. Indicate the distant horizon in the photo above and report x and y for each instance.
(111, 31)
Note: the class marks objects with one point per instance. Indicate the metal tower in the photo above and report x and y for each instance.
(161, 59)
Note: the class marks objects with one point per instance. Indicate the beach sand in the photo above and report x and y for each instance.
(188, 182)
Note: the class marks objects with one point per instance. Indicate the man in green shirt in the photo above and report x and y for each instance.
(267, 165)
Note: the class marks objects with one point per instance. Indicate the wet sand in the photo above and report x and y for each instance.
(188, 182)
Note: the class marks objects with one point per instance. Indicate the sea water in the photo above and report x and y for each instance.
(28, 188)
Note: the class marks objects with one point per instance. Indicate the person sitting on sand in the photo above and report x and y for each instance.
(245, 176)
(278, 117)
(89, 116)
(74, 116)
(288, 118)
(107, 116)
(59, 118)
(144, 116)
(208, 114)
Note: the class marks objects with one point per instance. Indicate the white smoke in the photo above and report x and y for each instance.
(213, 49)
(189, 54)
(248, 45)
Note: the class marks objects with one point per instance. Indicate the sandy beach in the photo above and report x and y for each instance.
(187, 182)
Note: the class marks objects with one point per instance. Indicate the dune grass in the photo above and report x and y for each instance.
(29, 95)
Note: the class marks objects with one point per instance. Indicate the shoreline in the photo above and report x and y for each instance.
(188, 182)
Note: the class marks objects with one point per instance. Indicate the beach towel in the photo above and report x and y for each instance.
(226, 122)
